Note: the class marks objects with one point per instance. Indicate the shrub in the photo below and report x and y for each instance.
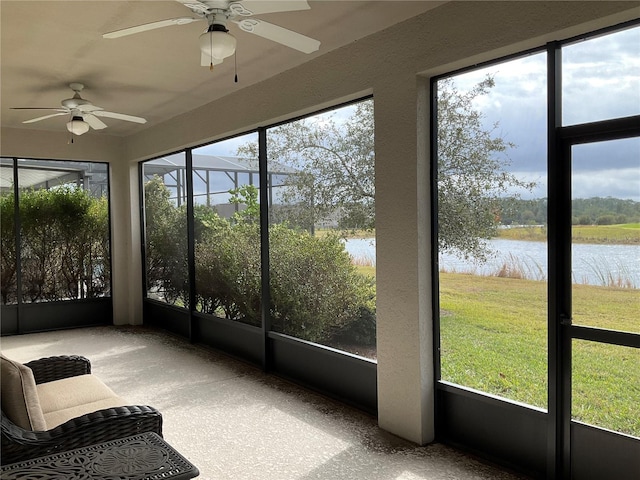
(8, 249)
(166, 244)
(316, 293)
(65, 245)
(228, 271)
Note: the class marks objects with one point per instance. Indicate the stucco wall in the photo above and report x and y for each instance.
(393, 65)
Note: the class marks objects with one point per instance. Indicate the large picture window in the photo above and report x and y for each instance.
(320, 234)
(165, 222)
(227, 231)
(322, 228)
(492, 237)
(600, 78)
(601, 82)
(8, 263)
(62, 212)
(538, 215)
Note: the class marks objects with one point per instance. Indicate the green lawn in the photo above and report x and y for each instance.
(493, 338)
(626, 234)
(366, 270)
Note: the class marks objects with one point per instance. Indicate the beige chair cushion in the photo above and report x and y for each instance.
(62, 400)
(20, 402)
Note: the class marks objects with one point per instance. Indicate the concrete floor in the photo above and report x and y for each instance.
(234, 422)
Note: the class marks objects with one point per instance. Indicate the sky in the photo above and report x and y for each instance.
(227, 147)
(601, 80)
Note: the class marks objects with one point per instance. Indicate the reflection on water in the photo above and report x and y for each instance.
(592, 264)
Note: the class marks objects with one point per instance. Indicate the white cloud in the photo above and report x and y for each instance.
(617, 183)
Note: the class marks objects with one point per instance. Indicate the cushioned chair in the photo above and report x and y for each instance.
(56, 404)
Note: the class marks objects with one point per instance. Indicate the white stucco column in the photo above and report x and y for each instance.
(125, 245)
(404, 312)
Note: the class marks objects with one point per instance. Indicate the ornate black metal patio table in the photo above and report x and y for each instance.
(140, 457)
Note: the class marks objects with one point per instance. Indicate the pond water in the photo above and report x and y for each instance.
(592, 264)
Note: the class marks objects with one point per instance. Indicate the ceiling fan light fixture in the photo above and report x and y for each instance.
(217, 44)
(77, 126)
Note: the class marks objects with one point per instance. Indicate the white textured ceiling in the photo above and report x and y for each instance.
(45, 45)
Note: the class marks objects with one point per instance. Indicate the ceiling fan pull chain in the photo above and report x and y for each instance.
(70, 132)
(235, 60)
(211, 52)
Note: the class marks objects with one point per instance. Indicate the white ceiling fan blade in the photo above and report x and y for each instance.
(58, 109)
(278, 34)
(88, 107)
(45, 117)
(94, 122)
(119, 116)
(205, 60)
(195, 6)
(257, 7)
(150, 26)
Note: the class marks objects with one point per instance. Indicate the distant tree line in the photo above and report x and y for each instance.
(585, 211)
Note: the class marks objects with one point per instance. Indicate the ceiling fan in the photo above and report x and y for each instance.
(82, 112)
(216, 43)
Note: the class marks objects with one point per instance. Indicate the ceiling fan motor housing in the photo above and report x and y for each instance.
(74, 102)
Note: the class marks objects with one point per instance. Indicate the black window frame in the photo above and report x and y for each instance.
(464, 417)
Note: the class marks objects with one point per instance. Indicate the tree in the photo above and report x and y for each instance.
(247, 196)
(335, 159)
(334, 164)
(472, 177)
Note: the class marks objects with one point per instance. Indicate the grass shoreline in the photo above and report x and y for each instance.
(622, 234)
(494, 339)
(493, 333)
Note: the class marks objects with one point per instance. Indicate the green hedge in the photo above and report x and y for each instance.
(316, 293)
(64, 245)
